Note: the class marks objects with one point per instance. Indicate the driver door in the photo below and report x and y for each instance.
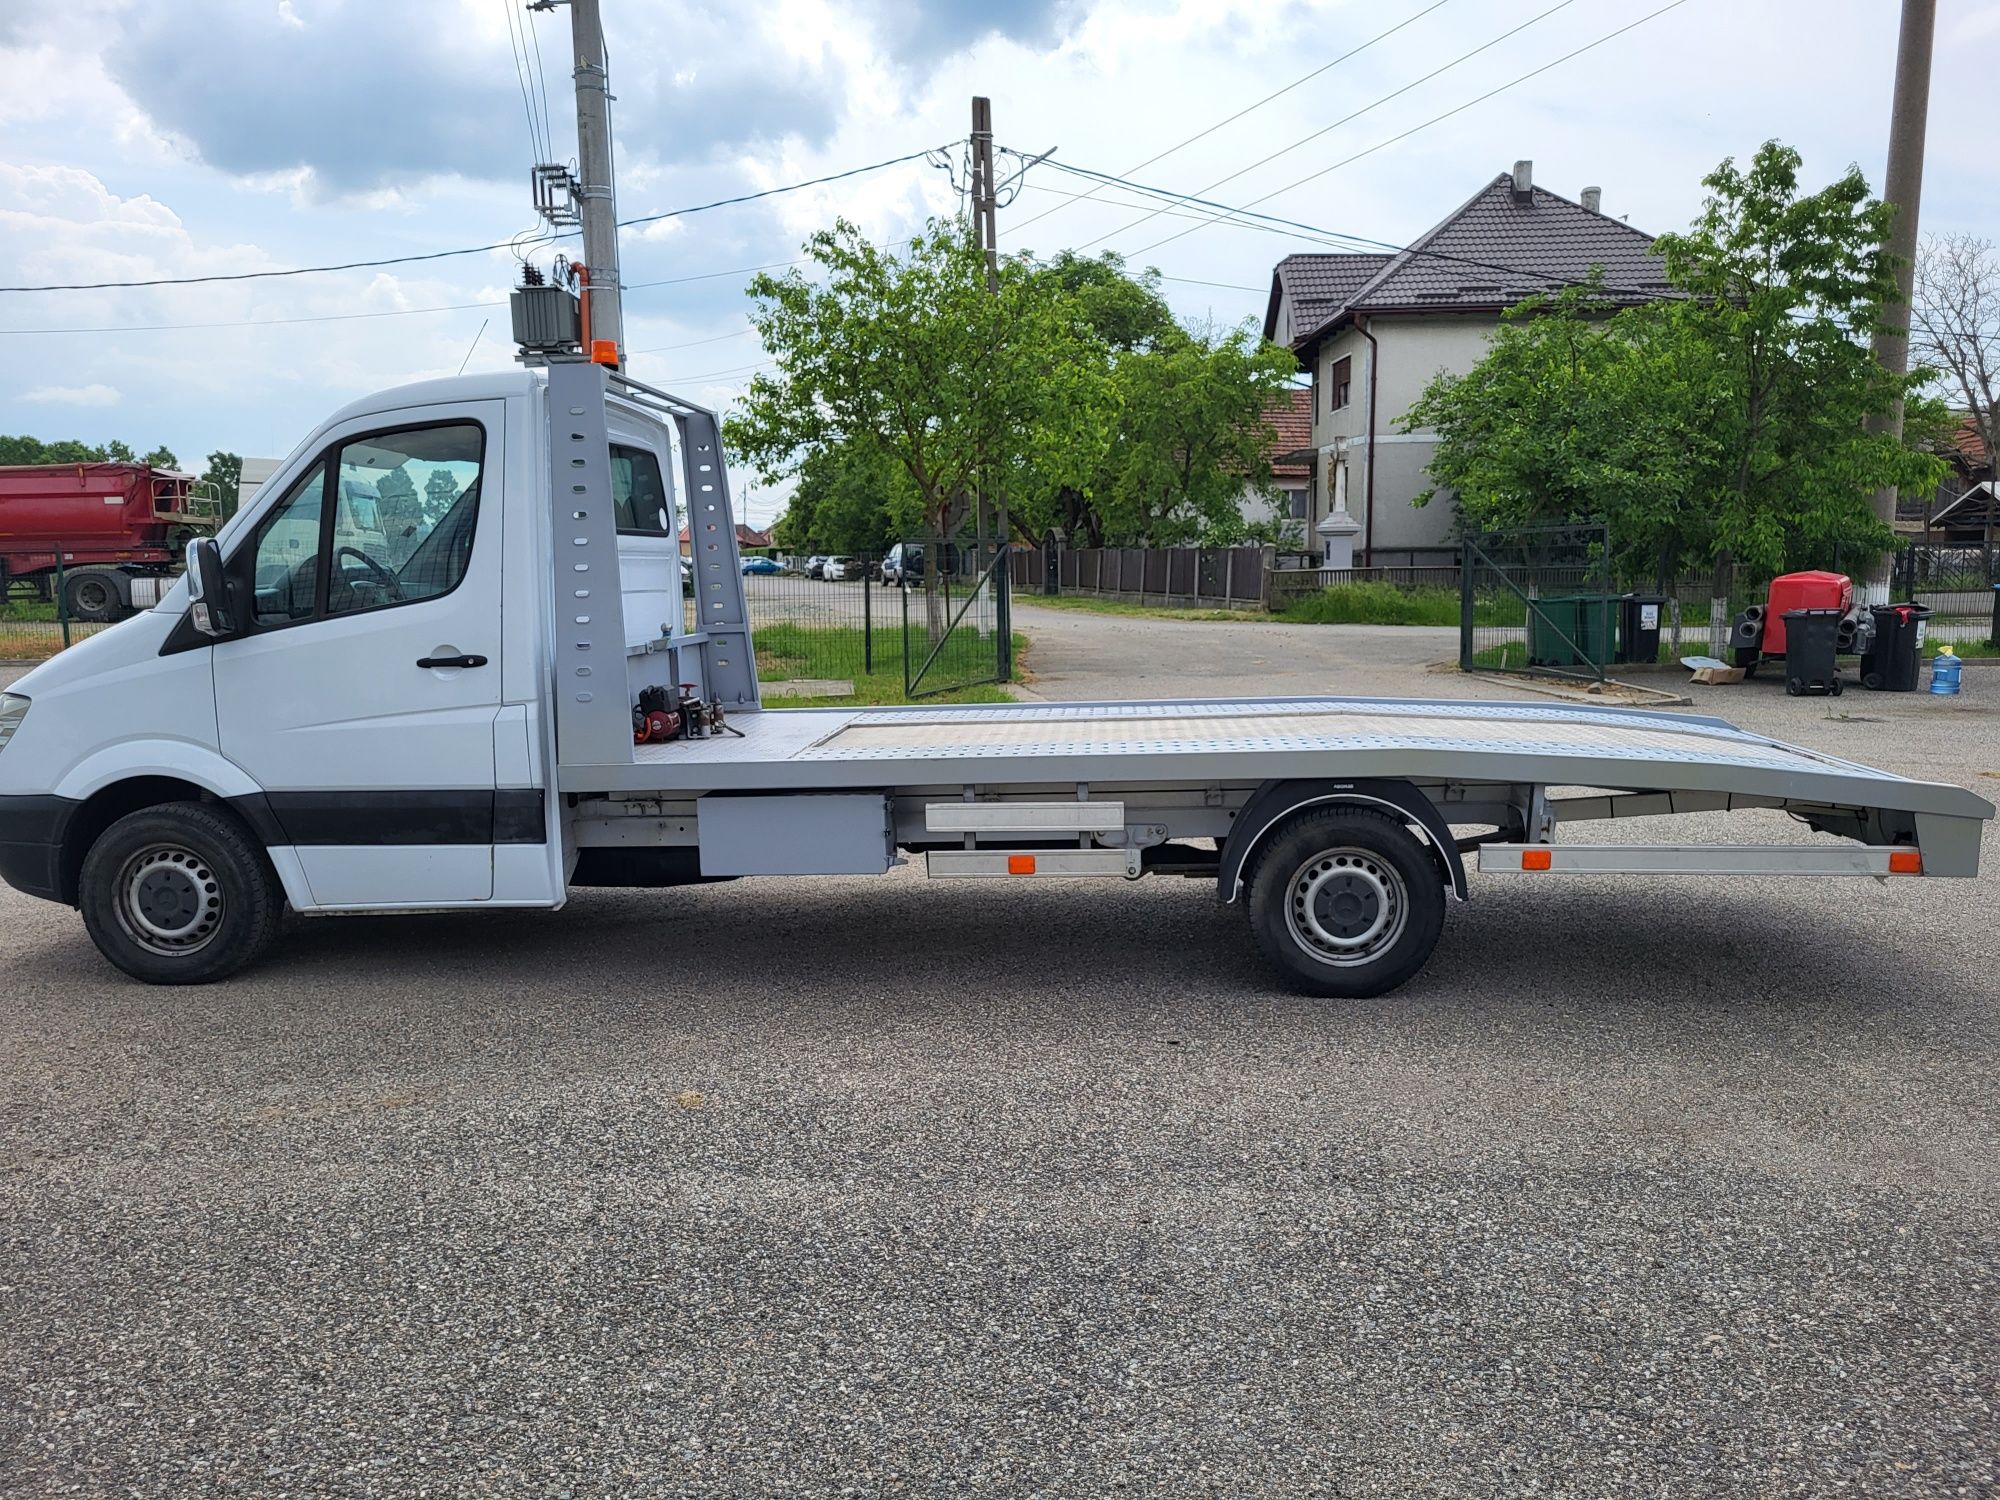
(363, 693)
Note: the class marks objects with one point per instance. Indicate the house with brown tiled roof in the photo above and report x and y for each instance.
(1373, 330)
(1289, 497)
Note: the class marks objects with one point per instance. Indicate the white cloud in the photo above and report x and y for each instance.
(74, 395)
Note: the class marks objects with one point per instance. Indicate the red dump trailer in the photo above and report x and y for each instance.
(106, 534)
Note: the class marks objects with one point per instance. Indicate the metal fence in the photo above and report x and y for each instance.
(1190, 577)
(1957, 585)
(956, 622)
(44, 613)
(840, 629)
(1538, 600)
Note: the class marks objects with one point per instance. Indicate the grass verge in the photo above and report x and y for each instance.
(787, 650)
(1088, 604)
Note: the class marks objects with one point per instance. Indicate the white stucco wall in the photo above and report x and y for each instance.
(1413, 350)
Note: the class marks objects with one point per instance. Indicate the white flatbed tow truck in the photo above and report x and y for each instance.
(406, 678)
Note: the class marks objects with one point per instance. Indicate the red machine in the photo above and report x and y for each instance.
(117, 526)
(1759, 631)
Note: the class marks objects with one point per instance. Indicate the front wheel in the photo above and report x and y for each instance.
(179, 894)
(1345, 902)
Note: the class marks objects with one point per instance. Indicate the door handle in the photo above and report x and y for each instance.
(451, 661)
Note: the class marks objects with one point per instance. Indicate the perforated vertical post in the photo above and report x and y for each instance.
(593, 718)
(721, 609)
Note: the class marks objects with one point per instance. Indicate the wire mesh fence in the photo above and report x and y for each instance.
(46, 610)
(956, 632)
(1960, 586)
(868, 628)
(1539, 600)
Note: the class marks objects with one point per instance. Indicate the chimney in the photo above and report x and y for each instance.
(1524, 182)
(1593, 199)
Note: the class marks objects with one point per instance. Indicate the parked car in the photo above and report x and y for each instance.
(905, 562)
(687, 570)
(760, 565)
(816, 566)
(840, 569)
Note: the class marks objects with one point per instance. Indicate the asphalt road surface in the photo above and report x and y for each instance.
(883, 1188)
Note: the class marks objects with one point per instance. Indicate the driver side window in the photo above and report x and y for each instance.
(392, 523)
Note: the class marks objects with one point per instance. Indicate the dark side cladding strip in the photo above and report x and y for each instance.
(509, 816)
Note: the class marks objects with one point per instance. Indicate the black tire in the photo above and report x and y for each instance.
(93, 597)
(1833, 687)
(180, 894)
(1345, 902)
(1793, 687)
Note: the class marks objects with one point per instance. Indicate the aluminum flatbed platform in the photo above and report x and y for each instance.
(1252, 740)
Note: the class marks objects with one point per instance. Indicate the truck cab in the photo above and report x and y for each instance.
(371, 714)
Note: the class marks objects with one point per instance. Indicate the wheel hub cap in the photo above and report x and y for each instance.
(1346, 906)
(169, 901)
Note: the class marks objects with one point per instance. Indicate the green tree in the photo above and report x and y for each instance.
(397, 505)
(224, 477)
(440, 495)
(1191, 434)
(23, 449)
(1754, 384)
(913, 360)
(849, 499)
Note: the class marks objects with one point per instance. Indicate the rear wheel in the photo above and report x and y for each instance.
(93, 597)
(1345, 902)
(179, 894)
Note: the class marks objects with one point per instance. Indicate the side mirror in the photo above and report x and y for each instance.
(208, 595)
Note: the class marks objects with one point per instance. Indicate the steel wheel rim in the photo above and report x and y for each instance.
(1346, 907)
(169, 900)
(92, 595)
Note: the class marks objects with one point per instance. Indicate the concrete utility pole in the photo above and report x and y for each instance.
(598, 201)
(1902, 190)
(983, 220)
(986, 225)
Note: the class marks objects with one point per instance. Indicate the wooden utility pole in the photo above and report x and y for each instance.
(1902, 189)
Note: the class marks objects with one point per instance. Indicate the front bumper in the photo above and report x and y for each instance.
(31, 843)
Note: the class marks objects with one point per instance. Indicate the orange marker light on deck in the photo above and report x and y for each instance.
(1535, 859)
(604, 351)
(1020, 864)
(1906, 862)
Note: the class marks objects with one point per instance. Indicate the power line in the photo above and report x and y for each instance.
(695, 343)
(894, 161)
(535, 152)
(1302, 79)
(1348, 118)
(541, 81)
(1344, 239)
(403, 260)
(1435, 119)
(399, 312)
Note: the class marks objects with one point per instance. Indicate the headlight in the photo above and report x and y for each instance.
(13, 709)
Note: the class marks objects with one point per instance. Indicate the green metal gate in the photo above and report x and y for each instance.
(1538, 601)
(957, 630)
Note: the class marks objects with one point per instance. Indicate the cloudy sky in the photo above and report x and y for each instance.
(146, 140)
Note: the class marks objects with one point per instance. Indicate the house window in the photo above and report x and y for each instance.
(1300, 503)
(1340, 383)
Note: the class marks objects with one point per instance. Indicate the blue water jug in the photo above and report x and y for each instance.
(1944, 673)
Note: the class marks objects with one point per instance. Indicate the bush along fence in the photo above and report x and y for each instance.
(43, 612)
